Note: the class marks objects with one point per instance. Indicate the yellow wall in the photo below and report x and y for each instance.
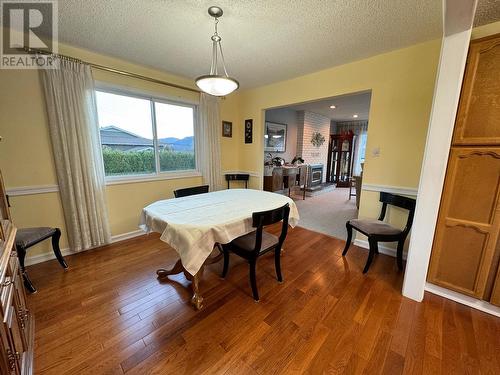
(26, 156)
(402, 84)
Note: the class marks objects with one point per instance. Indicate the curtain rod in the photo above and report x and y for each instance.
(112, 70)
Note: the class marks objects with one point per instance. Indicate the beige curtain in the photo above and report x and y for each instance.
(74, 131)
(207, 138)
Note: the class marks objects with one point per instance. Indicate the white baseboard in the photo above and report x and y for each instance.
(126, 236)
(463, 299)
(30, 260)
(381, 248)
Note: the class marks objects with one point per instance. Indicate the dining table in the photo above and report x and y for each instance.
(195, 224)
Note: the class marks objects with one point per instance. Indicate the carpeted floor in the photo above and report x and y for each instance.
(327, 213)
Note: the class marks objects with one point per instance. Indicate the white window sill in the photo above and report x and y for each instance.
(118, 180)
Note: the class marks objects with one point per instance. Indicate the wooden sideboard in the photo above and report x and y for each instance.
(17, 323)
(283, 177)
(274, 182)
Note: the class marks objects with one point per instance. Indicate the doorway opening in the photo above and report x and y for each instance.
(315, 153)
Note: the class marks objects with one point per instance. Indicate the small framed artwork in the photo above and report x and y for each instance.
(227, 129)
(248, 131)
(275, 137)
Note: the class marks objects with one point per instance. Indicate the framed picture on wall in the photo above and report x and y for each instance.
(275, 137)
(248, 130)
(227, 129)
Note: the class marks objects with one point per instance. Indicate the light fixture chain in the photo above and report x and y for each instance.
(213, 67)
(222, 58)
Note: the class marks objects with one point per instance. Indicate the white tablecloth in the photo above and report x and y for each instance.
(192, 225)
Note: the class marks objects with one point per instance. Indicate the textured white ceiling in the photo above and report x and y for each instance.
(487, 11)
(346, 107)
(263, 41)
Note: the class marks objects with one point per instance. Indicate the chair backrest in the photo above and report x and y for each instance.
(264, 218)
(398, 201)
(191, 191)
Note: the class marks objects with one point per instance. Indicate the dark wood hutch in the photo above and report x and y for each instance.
(340, 158)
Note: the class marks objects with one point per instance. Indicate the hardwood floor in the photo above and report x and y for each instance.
(109, 315)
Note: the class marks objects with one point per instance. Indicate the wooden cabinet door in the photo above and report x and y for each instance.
(478, 116)
(467, 229)
(495, 294)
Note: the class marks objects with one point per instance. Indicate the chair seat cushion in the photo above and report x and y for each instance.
(370, 226)
(247, 242)
(27, 237)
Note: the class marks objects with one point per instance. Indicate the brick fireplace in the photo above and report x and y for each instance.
(309, 123)
(315, 175)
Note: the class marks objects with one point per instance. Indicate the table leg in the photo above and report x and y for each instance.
(177, 268)
(197, 299)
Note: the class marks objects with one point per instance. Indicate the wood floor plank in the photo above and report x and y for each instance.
(307, 350)
(402, 329)
(394, 363)
(415, 350)
(274, 361)
(378, 356)
(451, 347)
(108, 314)
(487, 332)
(238, 348)
(107, 361)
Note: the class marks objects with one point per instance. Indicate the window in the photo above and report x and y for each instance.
(360, 155)
(144, 136)
(174, 129)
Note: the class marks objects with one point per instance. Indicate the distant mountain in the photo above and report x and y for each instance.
(118, 138)
(184, 144)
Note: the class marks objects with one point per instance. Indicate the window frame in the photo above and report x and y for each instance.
(158, 175)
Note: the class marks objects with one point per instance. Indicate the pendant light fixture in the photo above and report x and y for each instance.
(214, 83)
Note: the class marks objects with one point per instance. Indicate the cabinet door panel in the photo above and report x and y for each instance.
(460, 256)
(495, 294)
(475, 175)
(468, 223)
(478, 116)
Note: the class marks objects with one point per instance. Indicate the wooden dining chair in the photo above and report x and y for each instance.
(28, 237)
(259, 242)
(379, 231)
(191, 191)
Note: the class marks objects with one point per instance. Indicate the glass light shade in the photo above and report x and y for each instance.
(217, 85)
